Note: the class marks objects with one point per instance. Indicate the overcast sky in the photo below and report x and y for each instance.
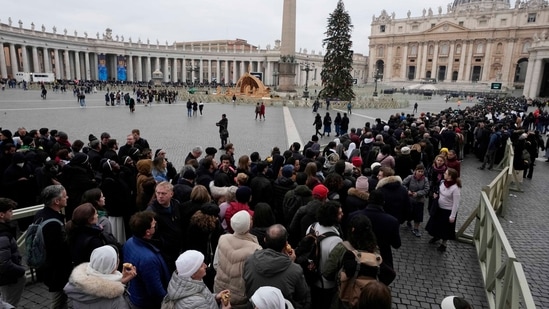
(259, 22)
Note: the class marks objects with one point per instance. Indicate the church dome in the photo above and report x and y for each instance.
(500, 4)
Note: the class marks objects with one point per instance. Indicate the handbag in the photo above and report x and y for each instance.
(386, 274)
(210, 270)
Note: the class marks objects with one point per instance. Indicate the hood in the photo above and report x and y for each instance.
(303, 191)
(144, 167)
(391, 181)
(180, 287)
(359, 194)
(285, 182)
(87, 288)
(269, 263)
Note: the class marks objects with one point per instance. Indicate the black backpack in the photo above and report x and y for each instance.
(308, 254)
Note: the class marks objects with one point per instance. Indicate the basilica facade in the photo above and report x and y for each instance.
(468, 41)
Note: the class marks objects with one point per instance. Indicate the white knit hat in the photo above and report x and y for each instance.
(188, 263)
(240, 222)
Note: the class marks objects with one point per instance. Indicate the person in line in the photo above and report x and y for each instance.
(232, 252)
(376, 295)
(12, 271)
(187, 289)
(142, 251)
(98, 284)
(268, 297)
(442, 223)
(274, 266)
(454, 302)
(418, 188)
(58, 266)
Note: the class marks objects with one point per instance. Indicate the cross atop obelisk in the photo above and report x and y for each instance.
(286, 67)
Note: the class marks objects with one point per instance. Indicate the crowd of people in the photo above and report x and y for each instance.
(231, 232)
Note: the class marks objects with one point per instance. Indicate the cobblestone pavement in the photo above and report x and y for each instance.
(425, 276)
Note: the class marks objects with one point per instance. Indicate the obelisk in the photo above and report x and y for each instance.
(286, 67)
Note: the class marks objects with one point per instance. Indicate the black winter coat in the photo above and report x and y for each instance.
(11, 267)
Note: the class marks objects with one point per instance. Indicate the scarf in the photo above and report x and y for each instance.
(420, 177)
(440, 171)
(448, 184)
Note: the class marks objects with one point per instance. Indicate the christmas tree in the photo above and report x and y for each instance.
(338, 61)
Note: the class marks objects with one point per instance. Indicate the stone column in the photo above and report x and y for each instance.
(462, 60)
(218, 70)
(423, 55)
(87, 65)
(67, 65)
(47, 61)
(13, 60)
(25, 55)
(468, 62)
(287, 47)
(201, 70)
(58, 71)
(148, 72)
(166, 69)
(35, 63)
(3, 67)
(129, 63)
(174, 70)
(450, 66)
(434, 67)
(508, 72)
(404, 63)
(226, 77)
(78, 69)
(210, 70)
(533, 77)
(235, 72)
(139, 76)
(487, 63)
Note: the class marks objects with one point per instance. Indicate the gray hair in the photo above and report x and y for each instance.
(185, 168)
(197, 149)
(50, 193)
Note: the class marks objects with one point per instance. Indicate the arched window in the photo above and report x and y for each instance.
(431, 50)
(398, 51)
(458, 49)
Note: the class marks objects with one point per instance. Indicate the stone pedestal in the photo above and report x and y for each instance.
(286, 77)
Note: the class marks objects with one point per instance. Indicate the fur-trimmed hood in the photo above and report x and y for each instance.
(85, 288)
(389, 180)
(359, 194)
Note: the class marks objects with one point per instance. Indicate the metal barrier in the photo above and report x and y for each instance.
(504, 279)
(24, 213)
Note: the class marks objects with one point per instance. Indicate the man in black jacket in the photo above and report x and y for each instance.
(58, 266)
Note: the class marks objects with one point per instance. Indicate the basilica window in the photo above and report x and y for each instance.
(382, 28)
(458, 49)
(480, 48)
(444, 49)
(531, 17)
(499, 48)
(503, 22)
(431, 49)
(380, 51)
(413, 50)
(398, 51)
(415, 27)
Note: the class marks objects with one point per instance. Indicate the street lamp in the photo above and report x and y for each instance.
(307, 67)
(376, 77)
(275, 79)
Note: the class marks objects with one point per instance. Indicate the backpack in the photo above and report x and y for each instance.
(371, 157)
(308, 254)
(290, 207)
(355, 274)
(34, 243)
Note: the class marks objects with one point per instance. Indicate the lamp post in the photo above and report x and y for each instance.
(376, 77)
(275, 79)
(307, 67)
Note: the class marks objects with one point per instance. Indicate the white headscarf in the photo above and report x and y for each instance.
(268, 297)
(103, 263)
(352, 146)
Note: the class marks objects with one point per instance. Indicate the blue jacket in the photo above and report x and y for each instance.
(149, 287)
